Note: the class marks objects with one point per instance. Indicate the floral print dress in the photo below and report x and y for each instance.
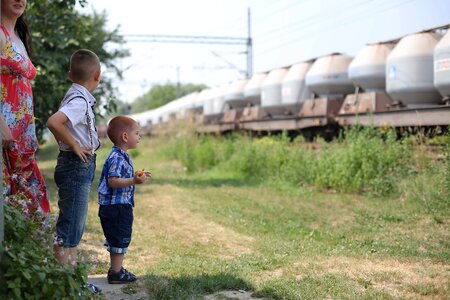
(20, 170)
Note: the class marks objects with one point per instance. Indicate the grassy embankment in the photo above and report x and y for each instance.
(362, 218)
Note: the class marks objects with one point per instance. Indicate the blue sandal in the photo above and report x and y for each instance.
(123, 276)
(93, 288)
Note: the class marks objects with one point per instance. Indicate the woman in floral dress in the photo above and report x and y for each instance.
(20, 171)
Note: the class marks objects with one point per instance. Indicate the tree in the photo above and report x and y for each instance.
(160, 95)
(57, 30)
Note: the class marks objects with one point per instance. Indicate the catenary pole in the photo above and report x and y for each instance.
(249, 46)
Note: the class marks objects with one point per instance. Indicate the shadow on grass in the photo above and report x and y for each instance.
(48, 154)
(205, 182)
(191, 287)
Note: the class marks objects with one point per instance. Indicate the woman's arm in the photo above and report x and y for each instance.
(2, 40)
(5, 132)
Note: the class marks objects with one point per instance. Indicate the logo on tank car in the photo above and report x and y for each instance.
(442, 65)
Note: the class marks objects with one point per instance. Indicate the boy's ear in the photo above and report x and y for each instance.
(97, 75)
(69, 75)
(124, 137)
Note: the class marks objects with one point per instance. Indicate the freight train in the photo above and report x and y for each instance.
(402, 83)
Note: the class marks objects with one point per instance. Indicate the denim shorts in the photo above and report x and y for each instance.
(73, 179)
(117, 224)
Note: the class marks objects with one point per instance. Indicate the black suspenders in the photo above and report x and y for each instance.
(89, 120)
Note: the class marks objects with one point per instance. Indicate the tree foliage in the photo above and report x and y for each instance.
(159, 95)
(57, 30)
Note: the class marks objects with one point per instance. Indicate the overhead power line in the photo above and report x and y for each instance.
(160, 38)
(187, 39)
(317, 18)
(272, 13)
(335, 23)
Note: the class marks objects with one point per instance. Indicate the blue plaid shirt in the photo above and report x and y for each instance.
(117, 164)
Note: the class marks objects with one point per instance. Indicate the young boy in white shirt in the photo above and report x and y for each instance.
(73, 126)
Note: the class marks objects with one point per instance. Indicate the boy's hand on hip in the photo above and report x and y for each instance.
(82, 153)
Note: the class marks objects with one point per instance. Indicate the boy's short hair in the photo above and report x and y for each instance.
(83, 64)
(119, 125)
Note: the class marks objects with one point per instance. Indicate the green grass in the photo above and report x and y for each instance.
(206, 229)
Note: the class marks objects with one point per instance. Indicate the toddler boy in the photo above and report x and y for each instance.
(116, 195)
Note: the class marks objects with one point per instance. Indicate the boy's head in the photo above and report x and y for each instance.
(123, 131)
(85, 68)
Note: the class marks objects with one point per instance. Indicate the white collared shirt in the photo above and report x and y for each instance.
(74, 106)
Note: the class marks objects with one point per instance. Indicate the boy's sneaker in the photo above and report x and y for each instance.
(123, 276)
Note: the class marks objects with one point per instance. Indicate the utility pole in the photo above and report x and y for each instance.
(249, 46)
(178, 82)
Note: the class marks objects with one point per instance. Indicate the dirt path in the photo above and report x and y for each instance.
(222, 295)
(229, 295)
(137, 291)
(118, 291)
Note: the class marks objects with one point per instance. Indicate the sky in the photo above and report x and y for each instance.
(283, 32)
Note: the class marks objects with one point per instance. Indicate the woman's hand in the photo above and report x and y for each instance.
(6, 135)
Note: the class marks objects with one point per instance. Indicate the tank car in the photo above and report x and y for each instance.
(398, 83)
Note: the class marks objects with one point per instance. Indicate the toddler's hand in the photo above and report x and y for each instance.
(140, 176)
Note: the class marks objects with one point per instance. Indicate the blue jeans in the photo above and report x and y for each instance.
(73, 179)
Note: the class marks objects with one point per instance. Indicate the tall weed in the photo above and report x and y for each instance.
(365, 160)
(430, 188)
(260, 159)
(199, 153)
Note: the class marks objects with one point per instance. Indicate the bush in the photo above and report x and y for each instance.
(199, 154)
(430, 188)
(365, 160)
(268, 158)
(29, 269)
